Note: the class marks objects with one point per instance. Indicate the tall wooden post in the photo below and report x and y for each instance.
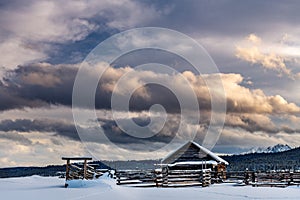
(68, 170)
(84, 169)
(165, 172)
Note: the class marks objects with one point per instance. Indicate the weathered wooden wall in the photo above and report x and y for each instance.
(272, 178)
(179, 178)
(164, 178)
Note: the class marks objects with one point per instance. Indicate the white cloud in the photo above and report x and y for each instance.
(254, 38)
(239, 98)
(273, 55)
(14, 52)
(253, 53)
(28, 30)
(243, 139)
(43, 151)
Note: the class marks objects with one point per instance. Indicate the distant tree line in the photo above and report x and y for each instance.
(288, 160)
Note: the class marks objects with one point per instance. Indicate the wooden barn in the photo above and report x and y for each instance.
(189, 165)
(193, 156)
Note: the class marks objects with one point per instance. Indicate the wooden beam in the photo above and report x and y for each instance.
(76, 158)
(84, 169)
(68, 170)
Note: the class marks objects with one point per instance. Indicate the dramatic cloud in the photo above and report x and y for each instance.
(239, 132)
(43, 150)
(257, 123)
(53, 85)
(253, 54)
(30, 31)
(245, 100)
(13, 136)
(249, 110)
(41, 42)
(124, 140)
(272, 56)
(15, 129)
(51, 126)
(234, 138)
(43, 87)
(58, 136)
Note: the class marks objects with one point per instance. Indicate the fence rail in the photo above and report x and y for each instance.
(180, 178)
(164, 178)
(272, 179)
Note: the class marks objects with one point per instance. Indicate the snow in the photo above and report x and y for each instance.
(208, 152)
(271, 149)
(212, 162)
(86, 184)
(36, 187)
(89, 183)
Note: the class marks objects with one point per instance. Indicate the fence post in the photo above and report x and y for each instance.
(118, 177)
(165, 172)
(84, 169)
(246, 178)
(253, 177)
(206, 178)
(158, 177)
(68, 170)
(291, 178)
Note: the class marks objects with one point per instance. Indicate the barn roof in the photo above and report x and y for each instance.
(173, 156)
(212, 162)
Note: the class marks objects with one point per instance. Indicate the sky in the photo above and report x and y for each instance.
(43, 44)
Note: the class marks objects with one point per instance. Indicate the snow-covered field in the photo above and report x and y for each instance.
(36, 187)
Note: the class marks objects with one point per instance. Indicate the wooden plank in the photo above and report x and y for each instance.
(75, 167)
(184, 176)
(184, 184)
(76, 158)
(84, 169)
(183, 179)
(164, 178)
(67, 170)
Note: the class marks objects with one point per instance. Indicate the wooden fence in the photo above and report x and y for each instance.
(81, 170)
(272, 178)
(164, 178)
(179, 178)
(135, 177)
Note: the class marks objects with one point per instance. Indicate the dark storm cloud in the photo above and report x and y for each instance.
(44, 84)
(126, 141)
(257, 123)
(40, 125)
(115, 134)
(67, 32)
(10, 99)
(16, 137)
(37, 85)
(12, 129)
(228, 17)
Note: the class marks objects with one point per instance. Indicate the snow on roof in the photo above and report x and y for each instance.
(212, 162)
(213, 155)
(203, 149)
